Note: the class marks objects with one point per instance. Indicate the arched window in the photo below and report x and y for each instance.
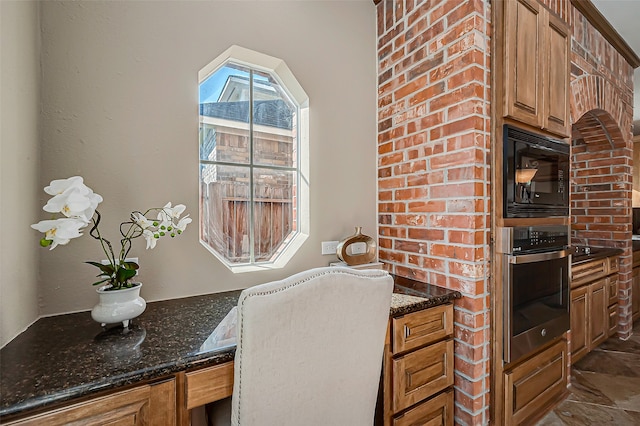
(253, 156)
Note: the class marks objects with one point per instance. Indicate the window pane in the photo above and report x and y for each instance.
(223, 143)
(225, 115)
(274, 116)
(225, 211)
(274, 216)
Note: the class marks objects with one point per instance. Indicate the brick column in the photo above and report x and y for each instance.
(433, 168)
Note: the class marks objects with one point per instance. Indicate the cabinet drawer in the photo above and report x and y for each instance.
(208, 385)
(422, 373)
(612, 289)
(589, 271)
(130, 407)
(535, 382)
(421, 328)
(614, 264)
(613, 319)
(438, 411)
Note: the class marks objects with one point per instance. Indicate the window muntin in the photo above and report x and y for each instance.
(250, 179)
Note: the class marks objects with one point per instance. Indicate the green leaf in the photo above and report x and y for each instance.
(100, 282)
(130, 265)
(123, 275)
(106, 269)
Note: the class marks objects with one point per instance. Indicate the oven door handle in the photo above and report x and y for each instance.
(537, 257)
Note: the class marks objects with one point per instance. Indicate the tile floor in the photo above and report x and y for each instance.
(605, 387)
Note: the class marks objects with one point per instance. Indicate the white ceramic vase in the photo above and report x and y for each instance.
(118, 305)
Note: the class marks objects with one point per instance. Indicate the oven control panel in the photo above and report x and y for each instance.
(532, 239)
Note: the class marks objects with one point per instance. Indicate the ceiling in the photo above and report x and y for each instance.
(623, 15)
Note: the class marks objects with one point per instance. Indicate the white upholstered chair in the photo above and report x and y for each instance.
(310, 349)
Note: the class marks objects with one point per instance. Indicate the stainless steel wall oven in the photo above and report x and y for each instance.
(536, 262)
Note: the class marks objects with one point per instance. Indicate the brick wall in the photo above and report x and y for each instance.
(433, 167)
(434, 152)
(602, 151)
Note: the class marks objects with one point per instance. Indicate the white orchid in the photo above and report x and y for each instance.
(78, 204)
(59, 231)
(182, 224)
(141, 221)
(150, 238)
(59, 186)
(177, 210)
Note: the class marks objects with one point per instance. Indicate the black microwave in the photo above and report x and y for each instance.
(536, 174)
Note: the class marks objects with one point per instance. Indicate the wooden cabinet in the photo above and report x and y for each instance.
(142, 405)
(537, 67)
(598, 313)
(418, 369)
(594, 304)
(635, 292)
(535, 383)
(579, 323)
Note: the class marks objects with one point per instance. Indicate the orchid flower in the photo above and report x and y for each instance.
(71, 203)
(59, 186)
(141, 220)
(182, 224)
(164, 216)
(177, 210)
(59, 231)
(150, 238)
(77, 204)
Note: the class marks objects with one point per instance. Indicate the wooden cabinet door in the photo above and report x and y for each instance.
(579, 323)
(536, 67)
(635, 296)
(555, 69)
(534, 383)
(598, 313)
(436, 411)
(523, 53)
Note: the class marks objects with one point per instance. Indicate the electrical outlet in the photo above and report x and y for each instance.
(329, 247)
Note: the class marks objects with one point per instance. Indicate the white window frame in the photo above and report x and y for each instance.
(281, 72)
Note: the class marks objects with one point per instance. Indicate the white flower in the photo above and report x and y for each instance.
(60, 231)
(141, 221)
(182, 223)
(72, 198)
(71, 203)
(164, 216)
(177, 210)
(59, 186)
(150, 238)
(94, 199)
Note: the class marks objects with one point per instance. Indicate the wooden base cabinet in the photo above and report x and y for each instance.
(418, 369)
(535, 384)
(594, 305)
(635, 289)
(139, 406)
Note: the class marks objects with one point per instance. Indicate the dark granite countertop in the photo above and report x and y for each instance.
(63, 357)
(596, 253)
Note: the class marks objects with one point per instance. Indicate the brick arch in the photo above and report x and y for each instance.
(601, 182)
(592, 94)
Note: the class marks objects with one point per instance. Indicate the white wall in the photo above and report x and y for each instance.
(120, 94)
(19, 162)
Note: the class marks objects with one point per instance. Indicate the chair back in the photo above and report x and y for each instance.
(310, 349)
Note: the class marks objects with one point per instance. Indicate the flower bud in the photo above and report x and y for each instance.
(45, 243)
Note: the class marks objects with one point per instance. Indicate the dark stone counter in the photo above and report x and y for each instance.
(68, 356)
(596, 253)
